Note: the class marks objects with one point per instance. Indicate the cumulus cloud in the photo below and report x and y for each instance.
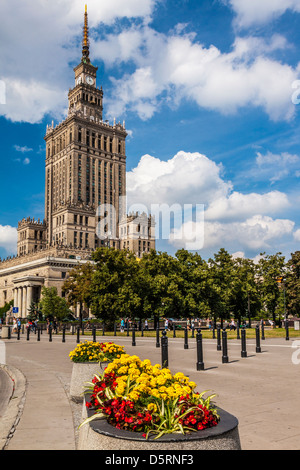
(243, 222)
(8, 238)
(257, 12)
(297, 235)
(173, 68)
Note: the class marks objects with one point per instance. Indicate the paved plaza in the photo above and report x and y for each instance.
(261, 390)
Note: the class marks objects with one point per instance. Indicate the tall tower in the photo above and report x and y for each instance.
(85, 161)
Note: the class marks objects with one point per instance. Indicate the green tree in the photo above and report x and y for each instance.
(77, 287)
(293, 284)
(114, 288)
(52, 305)
(271, 268)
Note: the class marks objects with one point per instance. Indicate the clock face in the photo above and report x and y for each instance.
(89, 80)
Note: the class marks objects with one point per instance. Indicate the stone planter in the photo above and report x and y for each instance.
(99, 435)
(83, 372)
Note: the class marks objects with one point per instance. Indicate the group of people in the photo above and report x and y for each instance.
(127, 322)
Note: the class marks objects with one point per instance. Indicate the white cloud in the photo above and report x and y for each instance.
(243, 222)
(257, 12)
(297, 235)
(186, 178)
(277, 166)
(172, 68)
(237, 205)
(8, 238)
(23, 149)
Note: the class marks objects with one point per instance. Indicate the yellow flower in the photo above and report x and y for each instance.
(152, 407)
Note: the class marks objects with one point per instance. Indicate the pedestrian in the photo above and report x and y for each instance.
(15, 326)
(166, 324)
(122, 325)
(146, 324)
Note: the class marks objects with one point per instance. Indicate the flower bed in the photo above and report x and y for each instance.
(90, 358)
(91, 351)
(133, 395)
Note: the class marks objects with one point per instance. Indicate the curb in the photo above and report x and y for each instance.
(12, 415)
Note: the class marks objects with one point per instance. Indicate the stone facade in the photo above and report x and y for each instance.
(85, 189)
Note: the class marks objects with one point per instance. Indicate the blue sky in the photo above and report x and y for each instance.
(209, 91)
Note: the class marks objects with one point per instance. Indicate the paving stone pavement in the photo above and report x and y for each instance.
(261, 390)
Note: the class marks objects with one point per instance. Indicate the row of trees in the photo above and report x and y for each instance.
(119, 285)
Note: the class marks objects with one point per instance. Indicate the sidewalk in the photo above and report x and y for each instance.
(262, 390)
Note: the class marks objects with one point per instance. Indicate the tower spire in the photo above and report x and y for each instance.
(85, 40)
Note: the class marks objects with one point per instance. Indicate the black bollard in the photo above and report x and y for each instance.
(78, 335)
(214, 330)
(164, 350)
(262, 331)
(18, 333)
(243, 352)
(38, 334)
(128, 328)
(224, 347)
(219, 348)
(258, 348)
(115, 329)
(103, 329)
(193, 332)
(142, 329)
(287, 330)
(64, 333)
(186, 345)
(200, 363)
(157, 337)
(133, 336)
(94, 333)
(174, 331)
(28, 334)
(50, 333)
(9, 333)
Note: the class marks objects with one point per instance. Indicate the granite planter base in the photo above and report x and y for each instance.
(83, 372)
(100, 435)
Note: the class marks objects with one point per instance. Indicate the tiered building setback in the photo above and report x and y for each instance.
(85, 180)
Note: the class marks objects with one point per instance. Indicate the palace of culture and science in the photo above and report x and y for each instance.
(85, 170)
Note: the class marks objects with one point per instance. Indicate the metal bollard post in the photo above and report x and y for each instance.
(38, 334)
(287, 330)
(164, 350)
(50, 334)
(18, 333)
(243, 352)
(174, 331)
(78, 335)
(238, 330)
(186, 346)
(262, 331)
(94, 333)
(133, 336)
(214, 330)
(157, 337)
(128, 328)
(115, 329)
(200, 363)
(64, 333)
(219, 348)
(9, 333)
(224, 347)
(258, 348)
(28, 334)
(193, 332)
(142, 330)
(103, 329)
